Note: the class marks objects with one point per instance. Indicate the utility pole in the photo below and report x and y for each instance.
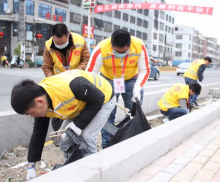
(21, 28)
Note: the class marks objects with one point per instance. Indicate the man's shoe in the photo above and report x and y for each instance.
(196, 104)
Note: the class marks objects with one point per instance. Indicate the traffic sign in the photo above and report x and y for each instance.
(89, 3)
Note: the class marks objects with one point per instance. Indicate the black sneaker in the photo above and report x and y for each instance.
(196, 104)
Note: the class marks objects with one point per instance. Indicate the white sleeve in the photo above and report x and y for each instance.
(95, 61)
(143, 68)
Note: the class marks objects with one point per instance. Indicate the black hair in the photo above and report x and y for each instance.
(23, 95)
(59, 30)
(208, 59)
(196, 88)
(120, 38)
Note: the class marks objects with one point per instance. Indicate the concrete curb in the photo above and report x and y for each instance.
(121, 161)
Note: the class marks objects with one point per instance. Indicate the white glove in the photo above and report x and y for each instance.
(72, 126)
(31, 173)
(137, 92)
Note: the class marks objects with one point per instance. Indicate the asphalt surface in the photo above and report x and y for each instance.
(9, 77)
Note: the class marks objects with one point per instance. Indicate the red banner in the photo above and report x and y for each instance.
(155, 6)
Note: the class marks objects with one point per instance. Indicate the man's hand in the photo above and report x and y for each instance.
(31, 172)
(73, 127)
(137, 92)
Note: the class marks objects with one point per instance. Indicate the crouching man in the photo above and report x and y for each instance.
(84, 97)
(175, 101)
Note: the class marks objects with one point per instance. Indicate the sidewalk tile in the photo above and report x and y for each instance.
(163, 161)
(161, 177)
(215, 179)
(216, 141)
(215, 158)
(200, 159)
(217, 175)
(139, 178)
(207, 152)
(190, 153)
(212, 146)
(182, 148)
(184, 176)
(205, 142)
(189, 142)
(151, 169)
(173, 168)
(182, 160)
(204, 175)
(173, 154)
(193, 167)
(198, 147)
(212, 166)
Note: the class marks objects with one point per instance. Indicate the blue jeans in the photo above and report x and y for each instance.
(127, 96)
(174, 113)
(193, 98)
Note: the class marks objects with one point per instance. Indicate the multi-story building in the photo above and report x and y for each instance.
(39, 15)
(212, 49)
(155, 28)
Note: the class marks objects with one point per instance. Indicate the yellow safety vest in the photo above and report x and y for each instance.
(65, 105)
(79, 42)
(131, 68)
(192, 71)
(171, 98)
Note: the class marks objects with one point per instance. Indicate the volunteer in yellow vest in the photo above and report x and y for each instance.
(4, 61)
(194, 73)
(64, 51)
(174, 102)
(85, 98)
(123, 60)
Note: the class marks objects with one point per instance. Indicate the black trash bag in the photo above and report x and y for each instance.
(129, 127)
(74, 147)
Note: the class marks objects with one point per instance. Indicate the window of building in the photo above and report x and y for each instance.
(179, 37)
(144, 36)
(118, 1)
(166, 17)
(155, 36)
(172, 20)
(156, 13)
(124, 28)
(126, 1)
(178, 45)
(132, 19)
(140, 11)
(166, 28)
(15, 6)
(108, 13)
(45, 30)
(76, 2)
(162, 14)
(154, 47)
(85, 20)
(43, 10)
(145, 24)
(178, 54)
(4, 29)
(169, 18)
(98, 38)
(132, 32)
(155, 24)
(139, 22)
(160, 48)
(189, 46)
(169, 29)
(161, 37)
(138, 34)
(125, 16)
(116, 27)
(29, 27)
(15, 28)
(146, 12)
(107, 26)
(60, 14)
(161, 26)
(3, 6)
(29, 7)
(99, 23)
(188, 55)
(75, 18)
(117, 14)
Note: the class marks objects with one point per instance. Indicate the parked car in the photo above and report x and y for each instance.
(181, 68)
(154, 71)
(39, 61)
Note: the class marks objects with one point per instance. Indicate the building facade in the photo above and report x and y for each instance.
(39, 18)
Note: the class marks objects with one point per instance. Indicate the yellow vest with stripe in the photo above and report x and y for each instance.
(79, 42)
(131, 68)
(65, 105)
(171, 98)
(192, 71)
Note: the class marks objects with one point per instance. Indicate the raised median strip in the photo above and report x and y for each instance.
(121, 161)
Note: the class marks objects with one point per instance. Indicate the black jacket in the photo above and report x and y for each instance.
(83, 90)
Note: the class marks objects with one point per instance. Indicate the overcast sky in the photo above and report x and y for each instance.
(205, 24)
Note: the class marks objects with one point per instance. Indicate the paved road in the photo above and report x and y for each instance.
(9, 77)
